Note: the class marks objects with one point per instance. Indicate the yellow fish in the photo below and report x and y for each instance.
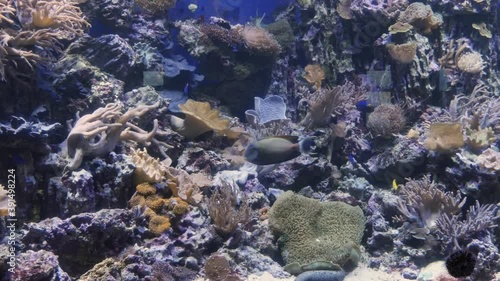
(394, 185)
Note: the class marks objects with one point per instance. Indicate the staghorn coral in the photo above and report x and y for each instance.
(423, 202)
(228, 208)
(147, 168)
(403, 53)
(200, 118)
(456, 233)
(259, 40)
(98, 133)
(444, 137)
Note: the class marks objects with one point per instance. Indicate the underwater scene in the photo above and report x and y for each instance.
(259, 140)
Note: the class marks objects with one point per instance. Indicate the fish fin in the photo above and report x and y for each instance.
(306, 145)
(293, 139)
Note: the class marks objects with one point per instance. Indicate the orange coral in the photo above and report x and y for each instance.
(156, 203)
(159, 224)
(178, 206)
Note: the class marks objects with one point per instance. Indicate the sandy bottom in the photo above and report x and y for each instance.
(368, 274)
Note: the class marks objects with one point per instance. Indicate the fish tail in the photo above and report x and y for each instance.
(306, 145)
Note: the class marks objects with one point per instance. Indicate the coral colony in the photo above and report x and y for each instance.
(232, 140)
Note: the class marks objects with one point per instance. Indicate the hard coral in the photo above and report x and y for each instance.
(421, 17)
(314, 75)
(403, 53)
(147, 168)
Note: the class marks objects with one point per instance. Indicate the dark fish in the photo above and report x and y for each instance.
(277, 149)
(461, 263)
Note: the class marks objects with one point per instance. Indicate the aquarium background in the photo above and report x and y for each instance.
(232, 140)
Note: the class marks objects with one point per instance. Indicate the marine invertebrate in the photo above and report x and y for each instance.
(4, 202)
(421, 17)
(402, 53)
(386, 120)
(155, 6)
(314, 75)
(158, 224)
(424, 202)
(187, 186)
(478, 138)
(260, 41)
(98, 133)
(218, 268)
(147, 168)
(470, 62)
(272, 108)
(483, 29)
(444, 137)
(228, 208)
(64, 18)
(489, 160)
(200, 118)
(461, 263)
(316, 235)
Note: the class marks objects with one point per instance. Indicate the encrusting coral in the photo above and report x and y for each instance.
(109, 126)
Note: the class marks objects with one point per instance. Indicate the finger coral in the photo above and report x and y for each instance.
(98, 133)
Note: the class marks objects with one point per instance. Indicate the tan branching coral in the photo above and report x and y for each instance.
(147, 168)
(6, 9)
(200, 118)
(98, 133)
(444, 137)
(421, 17)
(260, 40)
(490, 160)
(403, 53)
(314, 75)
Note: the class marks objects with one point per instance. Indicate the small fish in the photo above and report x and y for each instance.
(186, 89)
(192, 7)
(364, 105)
(277, 149)
(394, 185)
(352, 159)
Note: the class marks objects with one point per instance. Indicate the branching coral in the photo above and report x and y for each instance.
(424, 202)
(228, 208)
(98, 133)
(456, 233)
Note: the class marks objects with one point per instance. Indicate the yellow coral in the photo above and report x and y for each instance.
(402, 53)
(146, 189)
(200, 118)
(147, 168)
(480, 138)
(159, 224)
(444, 137)
(314, 75)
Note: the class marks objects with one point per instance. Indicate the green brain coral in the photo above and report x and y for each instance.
(316, 235)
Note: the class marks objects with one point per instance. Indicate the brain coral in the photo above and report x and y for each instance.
(316, 235)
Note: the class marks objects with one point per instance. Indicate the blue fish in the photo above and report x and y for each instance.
(351, 159)
(186, 89)
(364, 105)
